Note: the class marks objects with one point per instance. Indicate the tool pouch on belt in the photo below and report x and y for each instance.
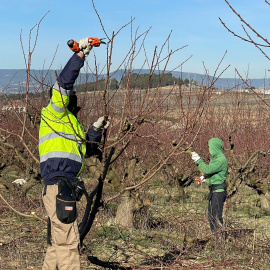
(65, 203)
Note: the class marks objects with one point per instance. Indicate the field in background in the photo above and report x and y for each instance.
(170, 232)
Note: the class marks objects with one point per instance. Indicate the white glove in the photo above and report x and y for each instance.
(85, 46)
(195, 156)
(107, 124)
(202, 178)
(101, 123)
(83, 43)
(87, 50)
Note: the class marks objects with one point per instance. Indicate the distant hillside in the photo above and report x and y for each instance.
(13, 80)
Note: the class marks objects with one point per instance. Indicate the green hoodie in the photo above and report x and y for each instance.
(217, 170)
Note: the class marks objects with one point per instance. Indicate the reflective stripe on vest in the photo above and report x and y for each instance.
(61, 90)
(53, 135)
(56, 108)
(60, 154)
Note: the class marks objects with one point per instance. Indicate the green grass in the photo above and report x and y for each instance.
(170, 231)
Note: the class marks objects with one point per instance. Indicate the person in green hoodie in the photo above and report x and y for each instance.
(215, 174)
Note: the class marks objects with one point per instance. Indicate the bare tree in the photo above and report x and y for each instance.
(152, 129)
(260, 43)
(246, 172)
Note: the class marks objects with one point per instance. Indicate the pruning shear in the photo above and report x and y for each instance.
(95, 42)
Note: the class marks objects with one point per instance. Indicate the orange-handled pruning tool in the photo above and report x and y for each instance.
(93, 41)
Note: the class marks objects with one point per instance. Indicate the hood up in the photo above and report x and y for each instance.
(215, 146)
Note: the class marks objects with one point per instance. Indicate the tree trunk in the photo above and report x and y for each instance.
(181, 191)
(265, 201)
(125, 210)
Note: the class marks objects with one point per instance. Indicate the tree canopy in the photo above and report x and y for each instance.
(139, 81)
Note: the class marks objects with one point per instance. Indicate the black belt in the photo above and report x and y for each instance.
(218, 186)
(212, 188)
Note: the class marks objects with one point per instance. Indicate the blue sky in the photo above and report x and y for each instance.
(194, 23)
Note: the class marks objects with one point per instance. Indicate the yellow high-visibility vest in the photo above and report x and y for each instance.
(61, 138)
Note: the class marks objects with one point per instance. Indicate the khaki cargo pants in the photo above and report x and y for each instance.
(63, 252)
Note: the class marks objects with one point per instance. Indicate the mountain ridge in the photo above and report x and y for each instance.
(14, 80)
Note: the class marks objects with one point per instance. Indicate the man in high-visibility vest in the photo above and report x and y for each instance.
(62, 148)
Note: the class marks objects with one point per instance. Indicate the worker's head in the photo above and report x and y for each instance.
(50, 92)
(72, 105)
(215, 146)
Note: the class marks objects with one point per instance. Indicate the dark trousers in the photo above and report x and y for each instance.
(215, 209)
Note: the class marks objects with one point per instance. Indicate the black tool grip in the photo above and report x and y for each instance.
(70, 43)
